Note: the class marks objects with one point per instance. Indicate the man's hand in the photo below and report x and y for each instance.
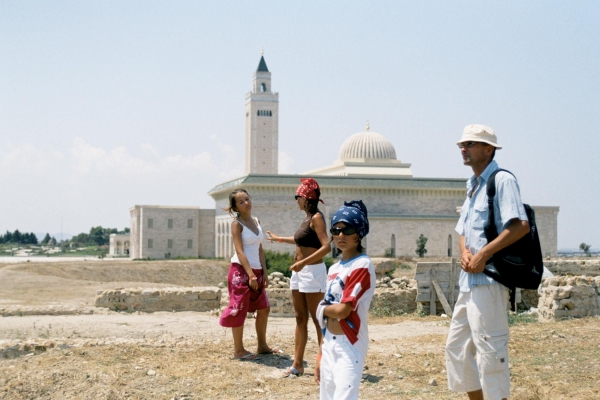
(477, 262)
(465, 260)
(265, 281)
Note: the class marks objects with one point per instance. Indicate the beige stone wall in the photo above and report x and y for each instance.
(167, 299)
(391, 295)
(546, 219)
(206, 233)
(202, 232)
(569, 297)
(395, 295)
(160, 233)
(530, 298)
(398, 215)
(405, 233)
(589, 267)
(278, 212)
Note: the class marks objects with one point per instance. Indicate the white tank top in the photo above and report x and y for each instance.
(251, 243)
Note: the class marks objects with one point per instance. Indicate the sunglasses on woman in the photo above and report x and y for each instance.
(346, 231)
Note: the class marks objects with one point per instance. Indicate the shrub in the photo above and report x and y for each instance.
(279, 262)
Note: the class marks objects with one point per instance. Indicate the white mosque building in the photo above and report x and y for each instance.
(401, 207)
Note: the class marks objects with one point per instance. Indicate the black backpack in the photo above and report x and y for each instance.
(519, 265)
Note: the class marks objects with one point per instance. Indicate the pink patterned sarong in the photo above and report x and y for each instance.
(242, 299)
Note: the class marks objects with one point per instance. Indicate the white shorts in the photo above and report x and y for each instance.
(479, 328)
(341, 368)
(311, 279)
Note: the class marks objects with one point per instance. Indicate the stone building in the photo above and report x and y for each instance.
(401, 207)
(170, 232)
(118, 245)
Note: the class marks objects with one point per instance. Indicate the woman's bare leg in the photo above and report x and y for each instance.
(262, 317)
(238, 342)
(301, 334)
(313, 300)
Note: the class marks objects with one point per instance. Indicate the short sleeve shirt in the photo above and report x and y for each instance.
(475, 213)
(353, 281)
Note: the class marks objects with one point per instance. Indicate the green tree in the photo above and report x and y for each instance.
(46, 239)
(586, 249)
(81, 240)
(421, 242)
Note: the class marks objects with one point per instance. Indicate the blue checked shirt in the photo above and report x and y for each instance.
(474, 214)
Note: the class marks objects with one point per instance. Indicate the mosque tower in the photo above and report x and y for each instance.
(262, 121)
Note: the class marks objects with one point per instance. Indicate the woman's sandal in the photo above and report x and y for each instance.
(274, 350)
(289, 371)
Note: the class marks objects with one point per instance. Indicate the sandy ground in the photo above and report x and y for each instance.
(186, 325)
(187, 355)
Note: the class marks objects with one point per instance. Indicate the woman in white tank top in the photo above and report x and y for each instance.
(247, 278)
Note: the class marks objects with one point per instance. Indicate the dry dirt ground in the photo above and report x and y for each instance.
(108, 355)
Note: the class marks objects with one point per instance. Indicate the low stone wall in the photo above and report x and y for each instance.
(530, 298)
(281, 302)
(279, 294)
(588, 267)
(167, 299)
(569, 297)
(20, 311)
(395, 295)
(384, 265)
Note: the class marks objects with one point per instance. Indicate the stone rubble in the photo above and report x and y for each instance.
(569, 297)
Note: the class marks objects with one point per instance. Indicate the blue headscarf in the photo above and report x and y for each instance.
(353, 213)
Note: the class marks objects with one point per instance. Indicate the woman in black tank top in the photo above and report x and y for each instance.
(308, 271)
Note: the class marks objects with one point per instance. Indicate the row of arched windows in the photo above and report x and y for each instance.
(264, 113)
(224, 240)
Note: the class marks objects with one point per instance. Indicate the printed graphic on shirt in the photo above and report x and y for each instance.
(347, 283)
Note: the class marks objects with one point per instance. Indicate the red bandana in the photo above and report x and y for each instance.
(307, 189)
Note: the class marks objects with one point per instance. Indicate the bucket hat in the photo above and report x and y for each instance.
(479, 133)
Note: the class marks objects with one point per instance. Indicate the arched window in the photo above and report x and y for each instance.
(449, 245)
(263, 87)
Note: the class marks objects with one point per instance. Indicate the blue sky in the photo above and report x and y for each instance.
(104, 105)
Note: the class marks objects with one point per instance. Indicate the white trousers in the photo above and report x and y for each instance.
(341, 368)
(477, 345)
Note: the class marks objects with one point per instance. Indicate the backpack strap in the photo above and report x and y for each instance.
(491, 232)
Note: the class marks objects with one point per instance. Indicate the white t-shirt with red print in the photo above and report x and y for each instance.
(353, 281)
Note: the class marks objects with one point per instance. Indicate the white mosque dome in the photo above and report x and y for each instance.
(367, 145)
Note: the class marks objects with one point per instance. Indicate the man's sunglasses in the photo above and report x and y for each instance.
(466, 145)
(346, 231)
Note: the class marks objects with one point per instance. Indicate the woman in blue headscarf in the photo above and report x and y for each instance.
(343, 313)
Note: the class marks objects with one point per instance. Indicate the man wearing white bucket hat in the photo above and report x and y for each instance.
(477, 344)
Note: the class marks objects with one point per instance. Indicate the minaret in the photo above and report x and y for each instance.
(262, 120)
